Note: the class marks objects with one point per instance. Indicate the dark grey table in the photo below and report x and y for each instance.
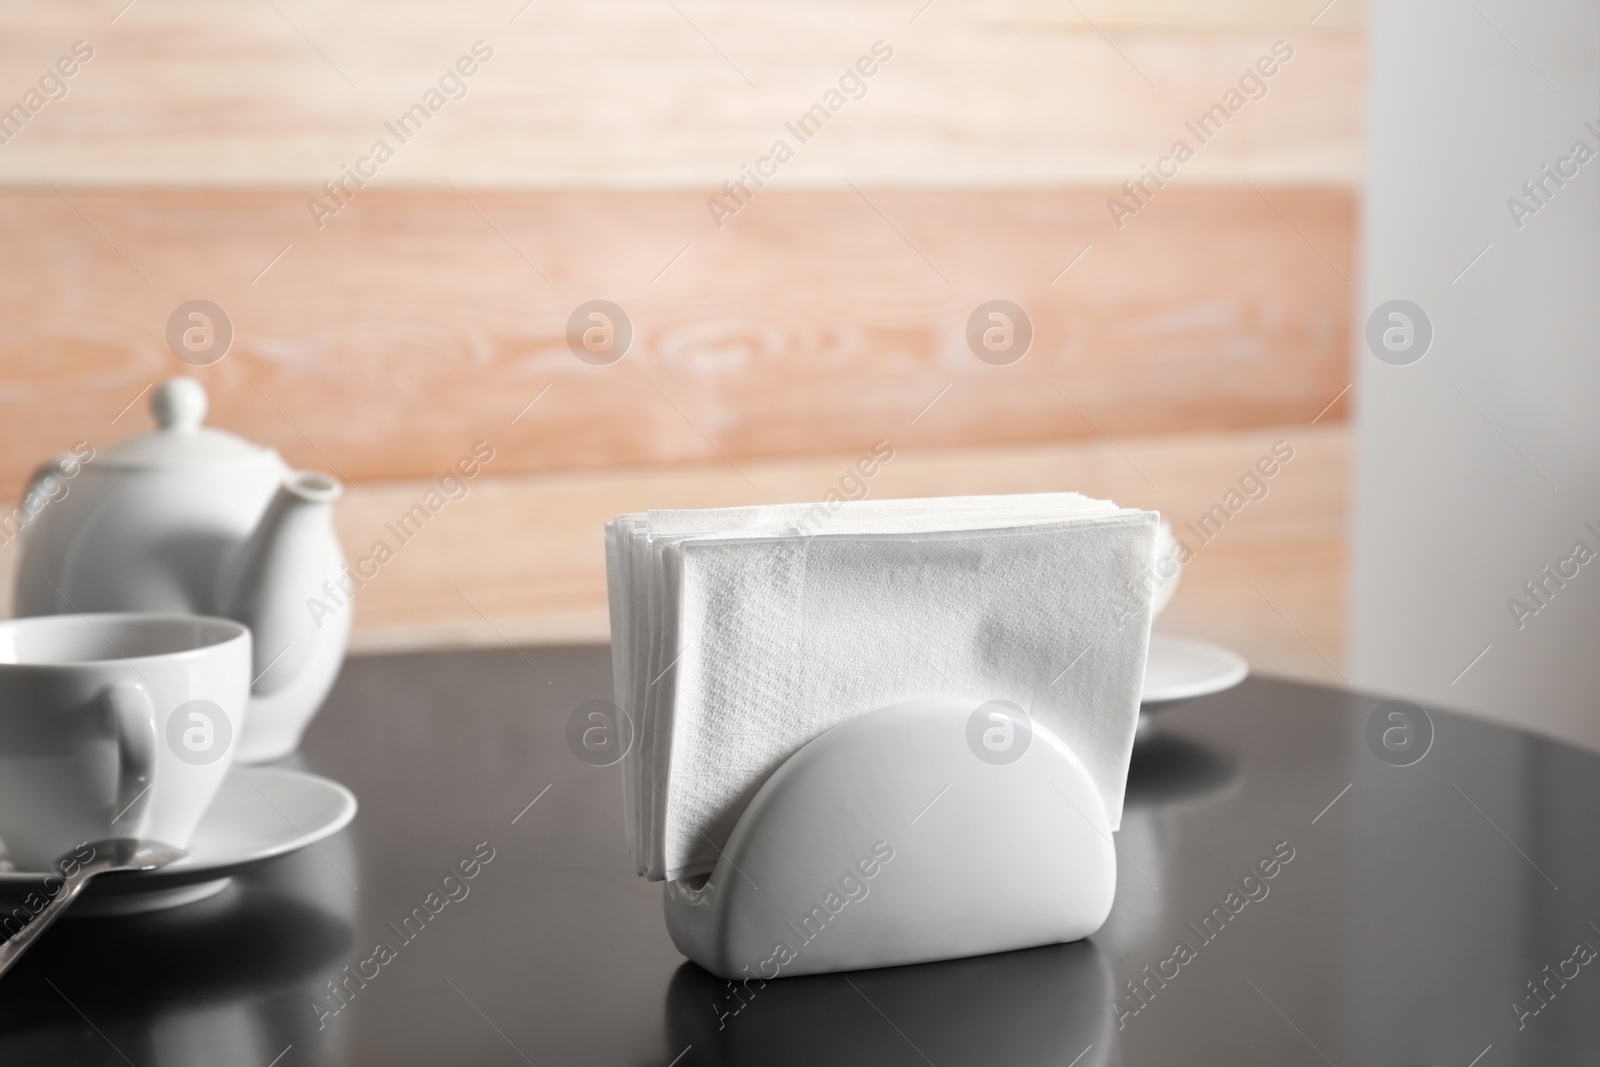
(1426, 911)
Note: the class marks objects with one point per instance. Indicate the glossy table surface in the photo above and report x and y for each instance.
(1411, 914)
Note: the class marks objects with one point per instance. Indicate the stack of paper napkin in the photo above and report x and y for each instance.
(739, 634)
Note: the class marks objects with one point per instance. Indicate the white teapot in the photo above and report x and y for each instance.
(189, 519)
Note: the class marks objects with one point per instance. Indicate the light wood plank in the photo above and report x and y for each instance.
(635, 93)
(526, 553)
(418, 322)
(1296, 15)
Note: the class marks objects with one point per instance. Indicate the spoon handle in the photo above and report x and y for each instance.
(72, 885)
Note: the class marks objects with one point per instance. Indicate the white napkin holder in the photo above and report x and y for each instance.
(901, 836)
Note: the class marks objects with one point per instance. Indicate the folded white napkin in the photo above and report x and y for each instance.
(741, 634)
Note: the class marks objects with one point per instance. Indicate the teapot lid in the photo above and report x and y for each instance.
(179, 406)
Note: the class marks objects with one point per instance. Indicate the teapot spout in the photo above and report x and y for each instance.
(268, 581)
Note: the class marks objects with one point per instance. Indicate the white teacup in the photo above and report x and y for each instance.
(114, 725)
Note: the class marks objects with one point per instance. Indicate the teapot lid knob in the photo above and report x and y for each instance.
(179, 404)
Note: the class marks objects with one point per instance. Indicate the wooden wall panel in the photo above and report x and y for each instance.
(641, 93)
(769, 351)
(814, 322)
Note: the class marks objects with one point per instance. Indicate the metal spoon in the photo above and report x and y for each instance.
(105, 857)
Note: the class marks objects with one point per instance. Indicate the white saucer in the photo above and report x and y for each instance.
(259, 813)
(1179, 668)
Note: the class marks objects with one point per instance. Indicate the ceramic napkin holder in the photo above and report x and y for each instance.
(925, 831)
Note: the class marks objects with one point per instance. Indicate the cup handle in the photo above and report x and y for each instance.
(133, 719)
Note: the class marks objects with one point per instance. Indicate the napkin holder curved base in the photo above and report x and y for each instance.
(890, 840)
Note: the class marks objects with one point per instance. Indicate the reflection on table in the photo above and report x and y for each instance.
(1014, 1008)
(227, 980)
